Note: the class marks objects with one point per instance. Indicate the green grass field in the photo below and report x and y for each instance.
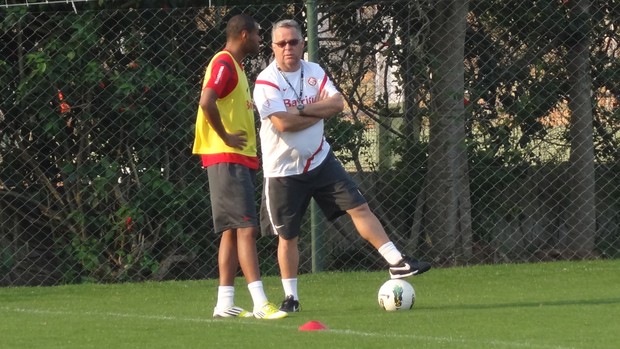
(547, 305)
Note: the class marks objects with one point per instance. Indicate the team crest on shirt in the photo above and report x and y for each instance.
(312, 81)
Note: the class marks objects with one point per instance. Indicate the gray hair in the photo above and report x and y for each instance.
(287, 23)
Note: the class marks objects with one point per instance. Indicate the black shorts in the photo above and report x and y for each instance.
(232, 192)
(285, 199)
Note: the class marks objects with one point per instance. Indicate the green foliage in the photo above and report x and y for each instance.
(516, 77)
(105, 130)
(346, 136)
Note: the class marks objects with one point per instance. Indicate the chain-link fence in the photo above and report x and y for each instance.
(479, 133)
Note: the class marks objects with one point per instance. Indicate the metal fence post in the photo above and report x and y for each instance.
(317, 228)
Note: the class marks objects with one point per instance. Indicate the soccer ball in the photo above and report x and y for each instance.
(396, 294)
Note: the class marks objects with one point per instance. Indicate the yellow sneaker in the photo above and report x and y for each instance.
(269, 311)
(231, 312)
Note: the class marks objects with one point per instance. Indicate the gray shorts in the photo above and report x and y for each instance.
(232, 192)
(285, 199)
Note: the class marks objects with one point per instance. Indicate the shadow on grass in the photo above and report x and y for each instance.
(523, 304)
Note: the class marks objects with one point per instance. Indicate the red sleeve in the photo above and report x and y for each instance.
(223, 78)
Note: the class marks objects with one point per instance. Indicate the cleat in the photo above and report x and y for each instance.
(290, 305)
(269, 311)
(407, 267)
(231, 312)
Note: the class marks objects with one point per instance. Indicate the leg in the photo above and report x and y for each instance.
(227, 259)
(368, 225)
(228, 264)
(288, 257)
(248, 259)
(284, 203)
(246, 251)
(342, 195)
(232, 197)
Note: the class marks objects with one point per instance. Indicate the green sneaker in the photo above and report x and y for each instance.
(269, 311)
(231, 312)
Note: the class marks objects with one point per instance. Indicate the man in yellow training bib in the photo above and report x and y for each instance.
(226, 141)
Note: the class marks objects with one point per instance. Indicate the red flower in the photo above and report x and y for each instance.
(128, 224)
(64, 106)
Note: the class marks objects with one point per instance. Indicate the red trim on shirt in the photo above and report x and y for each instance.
(309, 161)
(223, 78)
(212, 159)
(268, 83)
(323, 83)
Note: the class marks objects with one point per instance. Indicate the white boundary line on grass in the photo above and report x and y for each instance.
(272, 324)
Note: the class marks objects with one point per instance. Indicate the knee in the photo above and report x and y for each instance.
(247, 233)
(361, 210)
(286, 243)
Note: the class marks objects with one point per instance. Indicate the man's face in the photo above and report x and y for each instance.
(253, 41)
(288, 48)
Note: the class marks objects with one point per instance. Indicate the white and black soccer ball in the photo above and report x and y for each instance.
(396, 294)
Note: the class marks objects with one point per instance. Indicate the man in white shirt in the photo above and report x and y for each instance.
(293, 97)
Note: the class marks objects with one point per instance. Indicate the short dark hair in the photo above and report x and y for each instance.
(239, 23)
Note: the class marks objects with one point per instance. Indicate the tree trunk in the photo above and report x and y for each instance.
(448, 212)
(581, 222)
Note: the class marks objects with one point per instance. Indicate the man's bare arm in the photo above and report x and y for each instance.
(294, 120)
(325, 107)
(212, 114)
(290, 121)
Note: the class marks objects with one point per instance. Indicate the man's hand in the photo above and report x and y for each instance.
(236, 140)
(323, 95)
(324, 107)
(293, 109)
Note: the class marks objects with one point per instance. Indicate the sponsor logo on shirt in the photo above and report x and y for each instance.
(294, 102)
(218, 77)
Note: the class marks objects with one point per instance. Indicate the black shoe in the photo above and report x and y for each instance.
(407, 267)
(290, 305)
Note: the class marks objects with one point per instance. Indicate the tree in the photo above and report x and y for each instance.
(581, 222)
(447, 184)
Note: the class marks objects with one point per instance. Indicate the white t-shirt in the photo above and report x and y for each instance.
(290, 153)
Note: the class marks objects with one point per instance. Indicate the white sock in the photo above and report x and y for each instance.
(258, 294)
(391, 254)
(290, 288)
(225, 297)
